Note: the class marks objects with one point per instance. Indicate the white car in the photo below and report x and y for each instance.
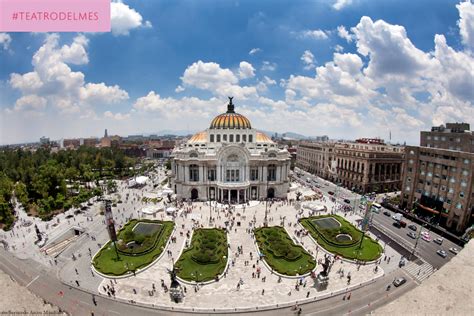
(454, 250)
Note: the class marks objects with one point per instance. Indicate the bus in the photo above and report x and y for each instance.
(376, 207)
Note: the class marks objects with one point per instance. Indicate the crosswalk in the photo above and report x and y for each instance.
(419, 269)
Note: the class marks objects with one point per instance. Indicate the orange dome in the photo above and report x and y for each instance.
(230, 119)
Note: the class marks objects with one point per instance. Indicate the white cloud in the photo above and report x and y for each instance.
(466, 23)
(315, 34)
(308, 59)
(30, 102)
(268, 66)
(340, 4)
(5, 40)
(116, 116)
(343, 33)
(246, 70)
(208, 76)
(54, 81)
(339, 48)
(123, 19)
(254, 51)
(179, 89)
(76, 52)
(268, 80)
(391, 51)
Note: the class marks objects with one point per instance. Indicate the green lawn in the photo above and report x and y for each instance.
(369, 251)
(281, 254)
(151, 247)
(205, 258)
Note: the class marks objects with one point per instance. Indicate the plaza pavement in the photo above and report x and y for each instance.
(222, 294)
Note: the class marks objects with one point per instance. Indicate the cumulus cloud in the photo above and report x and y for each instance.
(246, 70)
(308, 59)
(466, 23)
(254, 51)
(5, 40)
(391, 51)
(123, 19)
(339, 48)
(340, 4)
(219, 81)
(116, 116)
(268, 66)
(54, 83)
(314, 34)
(343, 33)
(179, 89)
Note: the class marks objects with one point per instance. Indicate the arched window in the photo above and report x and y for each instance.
(194, 173)
(250, 138)
(272, 155)
(193, 155)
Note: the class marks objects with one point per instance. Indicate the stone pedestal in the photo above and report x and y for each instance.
(321, 282)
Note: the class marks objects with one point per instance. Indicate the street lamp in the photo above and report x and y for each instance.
(266, 203)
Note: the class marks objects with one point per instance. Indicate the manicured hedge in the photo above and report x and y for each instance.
(281, 254)
(369, 250)
(206, 257)
(105, 261)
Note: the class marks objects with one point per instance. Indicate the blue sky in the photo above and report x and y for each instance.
(342, 68)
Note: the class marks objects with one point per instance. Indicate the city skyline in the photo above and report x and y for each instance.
(337, 68)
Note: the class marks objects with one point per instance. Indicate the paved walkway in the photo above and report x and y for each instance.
(254, 291)
(223, 294)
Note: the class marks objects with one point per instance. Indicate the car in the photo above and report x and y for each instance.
(403, 224)
(399, 281)
(331, 193)
(426, 238)
(386, 213)
(397, 224)
(439, 241)
(412, 227)
(442, 253)
(347, 201)
(454, 250)
(411, 235)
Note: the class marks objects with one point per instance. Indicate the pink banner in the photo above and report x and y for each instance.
(54, 15)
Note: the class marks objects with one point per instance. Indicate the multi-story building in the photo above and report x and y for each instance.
(230, 162)
(438, 178)
(367, 165)
(316, 158)
(455, 136)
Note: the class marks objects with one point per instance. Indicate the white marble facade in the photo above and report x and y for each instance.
(230, 162)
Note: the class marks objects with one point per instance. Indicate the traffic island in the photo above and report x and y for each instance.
(139, 243)
(206, 258)
(281, 254)
(338, 236)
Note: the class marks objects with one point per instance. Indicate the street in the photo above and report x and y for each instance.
(426, 250)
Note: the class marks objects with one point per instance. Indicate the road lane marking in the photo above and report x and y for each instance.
(36, 278)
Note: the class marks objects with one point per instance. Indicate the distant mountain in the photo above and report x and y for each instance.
(287, 135)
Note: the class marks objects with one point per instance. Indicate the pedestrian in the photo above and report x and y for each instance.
(263, 291)
(307, 294)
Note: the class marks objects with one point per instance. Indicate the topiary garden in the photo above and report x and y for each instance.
(281, 254)
(206, 257)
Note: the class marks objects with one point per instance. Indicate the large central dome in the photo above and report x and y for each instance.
(230, 119)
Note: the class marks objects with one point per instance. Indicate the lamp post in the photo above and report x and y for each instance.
(265, 222)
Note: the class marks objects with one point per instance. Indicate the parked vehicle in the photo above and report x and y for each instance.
(412, 227)
(439, 241)
(330, 193)
(411, 235)
(386, 213)
(347, 201)
(397, 224)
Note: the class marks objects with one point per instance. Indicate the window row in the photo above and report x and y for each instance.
(230, 138)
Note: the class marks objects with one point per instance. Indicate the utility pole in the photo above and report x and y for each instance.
(416, 243)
